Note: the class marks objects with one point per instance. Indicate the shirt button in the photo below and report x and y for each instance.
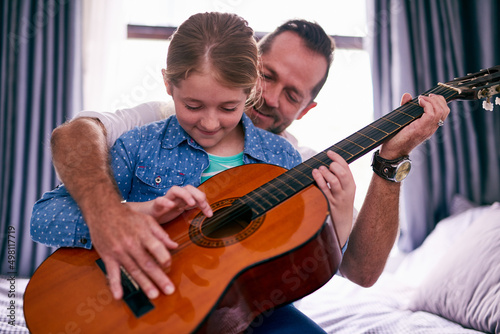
(83, 240)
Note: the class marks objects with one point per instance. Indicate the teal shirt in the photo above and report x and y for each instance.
(218, 164)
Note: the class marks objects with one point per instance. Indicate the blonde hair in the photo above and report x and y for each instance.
(221, 42)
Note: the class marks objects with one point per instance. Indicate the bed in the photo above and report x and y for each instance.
(450, 284)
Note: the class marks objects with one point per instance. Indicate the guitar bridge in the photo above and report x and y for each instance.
(133, 295)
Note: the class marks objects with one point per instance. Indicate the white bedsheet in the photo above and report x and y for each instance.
(343, 307)
(11, 305)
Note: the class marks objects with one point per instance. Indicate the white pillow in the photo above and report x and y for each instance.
(464, 286)
(418, 264)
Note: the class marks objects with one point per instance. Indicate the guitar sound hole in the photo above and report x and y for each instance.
(227, 222)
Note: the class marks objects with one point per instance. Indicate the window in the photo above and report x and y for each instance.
(125, 71)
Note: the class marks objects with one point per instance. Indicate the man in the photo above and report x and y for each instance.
(295, 66)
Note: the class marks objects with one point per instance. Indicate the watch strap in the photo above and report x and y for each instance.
(386, 168)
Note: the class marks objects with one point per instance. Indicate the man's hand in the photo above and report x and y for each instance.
(337, 183)
(123, 237)
(435, 110)
(134, 239)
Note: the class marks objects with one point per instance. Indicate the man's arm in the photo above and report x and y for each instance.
(377, 225)
(120, 235)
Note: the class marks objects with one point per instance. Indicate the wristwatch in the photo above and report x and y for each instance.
(392, 170)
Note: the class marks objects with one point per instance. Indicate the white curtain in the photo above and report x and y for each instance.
(104, 34)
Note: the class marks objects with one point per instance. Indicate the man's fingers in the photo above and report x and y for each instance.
(405, 98)
(157, 247)
(139, 274)
(114, 278)
(436, 109)
(161, 235)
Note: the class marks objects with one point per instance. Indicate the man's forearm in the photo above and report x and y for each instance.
(80, 157)
(374, 233)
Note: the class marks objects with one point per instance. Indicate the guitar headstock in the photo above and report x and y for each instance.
(481, 85)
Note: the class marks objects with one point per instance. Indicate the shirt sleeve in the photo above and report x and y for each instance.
(123, 120)
(56, 221)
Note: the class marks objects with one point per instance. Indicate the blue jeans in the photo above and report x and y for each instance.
(286, 319)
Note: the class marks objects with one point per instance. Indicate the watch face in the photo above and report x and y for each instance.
(402, 171)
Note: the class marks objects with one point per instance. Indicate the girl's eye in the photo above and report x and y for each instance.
(229, 109)
(192, 107)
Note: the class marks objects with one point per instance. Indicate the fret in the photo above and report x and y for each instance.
(317, 158)
(275, 196)
(388, 119)
(400, 116)
(344, 154)
(374, 133)
(350, 147)
(261, 203)
(388, 126)
(280, 179)
(376, 128)
(347, 148)
(411, 111)
(290, 186)
(250, 198)
(362, 139)
(353, 142)
(304, 172)
(277, 189)
(293, 176)
(403, 112)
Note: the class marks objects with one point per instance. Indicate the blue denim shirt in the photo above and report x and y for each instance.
(147, 161)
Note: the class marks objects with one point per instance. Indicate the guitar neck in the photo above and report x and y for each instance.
(351, 148)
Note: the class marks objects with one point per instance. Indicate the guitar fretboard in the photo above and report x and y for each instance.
(351, 148)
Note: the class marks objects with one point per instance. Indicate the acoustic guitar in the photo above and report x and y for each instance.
(268, 244)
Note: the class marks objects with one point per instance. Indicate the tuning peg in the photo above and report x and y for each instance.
(487, 105)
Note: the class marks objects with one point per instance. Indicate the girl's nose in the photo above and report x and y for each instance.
(209, 123)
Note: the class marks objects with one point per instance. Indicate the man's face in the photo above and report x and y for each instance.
(289, 73)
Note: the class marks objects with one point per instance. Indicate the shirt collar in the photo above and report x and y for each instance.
(175, 135)
(253, 141)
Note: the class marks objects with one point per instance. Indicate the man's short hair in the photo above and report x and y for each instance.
(315, 39)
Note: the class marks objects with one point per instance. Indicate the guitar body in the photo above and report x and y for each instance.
(224, 278)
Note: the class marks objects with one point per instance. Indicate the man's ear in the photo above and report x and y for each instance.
(306, 109)
(168, 86)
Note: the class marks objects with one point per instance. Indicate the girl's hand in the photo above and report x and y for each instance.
(337, 183)
(173, 203)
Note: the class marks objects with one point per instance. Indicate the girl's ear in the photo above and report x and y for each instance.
(168, 86)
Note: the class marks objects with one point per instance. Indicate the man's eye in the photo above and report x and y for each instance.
(265, 76)
(292, 98)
